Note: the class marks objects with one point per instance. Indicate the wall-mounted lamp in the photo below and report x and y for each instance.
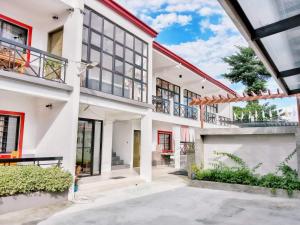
(55, 17)
(49, 106)
(87, 66)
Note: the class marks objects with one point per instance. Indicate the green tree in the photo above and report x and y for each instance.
(246, 68)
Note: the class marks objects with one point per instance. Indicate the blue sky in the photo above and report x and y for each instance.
(199, 31)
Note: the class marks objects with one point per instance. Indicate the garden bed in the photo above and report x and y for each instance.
(244, 188)
(32, 186)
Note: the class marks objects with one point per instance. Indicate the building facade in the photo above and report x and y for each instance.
(85, 80)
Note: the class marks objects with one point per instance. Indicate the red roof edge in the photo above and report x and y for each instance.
(190, 66)
(129, 16)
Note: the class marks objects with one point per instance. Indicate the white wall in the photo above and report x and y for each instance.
(123, 140)
(268, 149)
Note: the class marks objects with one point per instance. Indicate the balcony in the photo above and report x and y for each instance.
(213, 118)
(185, 111)
(161, 105)
(22, 59)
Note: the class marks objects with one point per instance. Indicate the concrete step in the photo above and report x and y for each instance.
(115, 158)
(119, 167)
(117, 162)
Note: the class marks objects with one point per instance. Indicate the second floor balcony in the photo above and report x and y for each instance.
(23, 59)
(165, 106)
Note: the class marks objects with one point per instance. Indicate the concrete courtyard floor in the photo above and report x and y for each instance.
(167, 200)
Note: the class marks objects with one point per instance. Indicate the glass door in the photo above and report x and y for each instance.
(89, 144)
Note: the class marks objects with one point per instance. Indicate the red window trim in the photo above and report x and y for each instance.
(21, 131)
(23, 25)
(171, 138)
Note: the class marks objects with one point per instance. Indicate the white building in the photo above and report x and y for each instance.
(129, 108)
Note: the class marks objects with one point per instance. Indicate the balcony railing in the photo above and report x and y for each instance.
(185, 111)
(24, 59)
(39, 161)
(161, 105)
(216, 119)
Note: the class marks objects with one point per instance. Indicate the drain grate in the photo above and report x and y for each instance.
(117, 177)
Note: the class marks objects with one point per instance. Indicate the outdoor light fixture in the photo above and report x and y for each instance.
(87, 66)
(55, 17)
(180, 76)
(49, 106)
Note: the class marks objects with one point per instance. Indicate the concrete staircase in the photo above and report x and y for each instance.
(117, 163)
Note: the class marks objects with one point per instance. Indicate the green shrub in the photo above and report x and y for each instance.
(25, 179)
(242, 174)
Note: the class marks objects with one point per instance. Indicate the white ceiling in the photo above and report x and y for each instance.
(168, 69)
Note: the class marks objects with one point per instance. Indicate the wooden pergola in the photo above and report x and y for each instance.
(220, 99)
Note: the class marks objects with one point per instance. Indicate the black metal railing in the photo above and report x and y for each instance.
(186, 146)
(161, 105)
(272, 123)
(185, 111)
(27, 60)
(216, 119)
(39, 161)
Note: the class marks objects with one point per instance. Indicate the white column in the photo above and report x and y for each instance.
(146, 147)
(107, 146)
(176, 138)
(72, 39)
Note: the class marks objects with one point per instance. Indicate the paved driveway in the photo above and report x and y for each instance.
(186, 206)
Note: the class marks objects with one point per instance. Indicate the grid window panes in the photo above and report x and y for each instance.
(212, 108)
(9, 133)
(165, 141)
(166, 90)
(187, 98)
(122, 58)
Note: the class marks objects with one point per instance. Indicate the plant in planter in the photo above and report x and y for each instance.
(284, 178)
(26, 179)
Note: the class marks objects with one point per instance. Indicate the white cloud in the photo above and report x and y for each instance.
(206, 54)
(163, 21)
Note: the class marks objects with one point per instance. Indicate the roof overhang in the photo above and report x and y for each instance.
(129, 16)
(272, 29)
(191, 67)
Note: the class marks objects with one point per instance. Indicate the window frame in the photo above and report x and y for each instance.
(116, 57)
(21, 116)
(170, 93)
(22, 25)
(170, 133)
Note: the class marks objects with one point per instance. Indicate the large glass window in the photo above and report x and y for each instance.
(9, 133)
(189, 111)
(122, 57)
(13, 32)
(166, 90)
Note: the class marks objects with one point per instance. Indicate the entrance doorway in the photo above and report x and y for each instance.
(89, 147)
(136, 148)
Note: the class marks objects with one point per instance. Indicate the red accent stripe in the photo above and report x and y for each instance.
(21, 131)
(190, 66)
(129, 16)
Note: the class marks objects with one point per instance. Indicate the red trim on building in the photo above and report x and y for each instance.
(21, 131)
(23, 25)
(129, 16)
(171, 140)
(190, 66)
